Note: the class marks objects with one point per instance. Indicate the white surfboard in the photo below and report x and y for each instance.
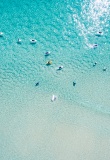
(53, 98)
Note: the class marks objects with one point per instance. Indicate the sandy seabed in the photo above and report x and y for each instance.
(41, 129)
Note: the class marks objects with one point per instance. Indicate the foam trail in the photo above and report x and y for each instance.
(93, 18)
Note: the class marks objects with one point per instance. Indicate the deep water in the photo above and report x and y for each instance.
(68, 30)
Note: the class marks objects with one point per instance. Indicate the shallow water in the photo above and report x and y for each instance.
(68, 30)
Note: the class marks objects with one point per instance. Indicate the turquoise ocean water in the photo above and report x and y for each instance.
(68, 30)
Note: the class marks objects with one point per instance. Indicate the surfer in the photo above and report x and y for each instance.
(94, 64)
(104, 69)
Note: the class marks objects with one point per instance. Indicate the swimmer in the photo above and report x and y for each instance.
(49, 62)
(19, 41)
(1, 34)
(47, 53)
(33, 41)
(94, 64)
(37, 84)
(104, 69)
(74, 83)
(95, 46)
(99, 34)
(60, 67)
